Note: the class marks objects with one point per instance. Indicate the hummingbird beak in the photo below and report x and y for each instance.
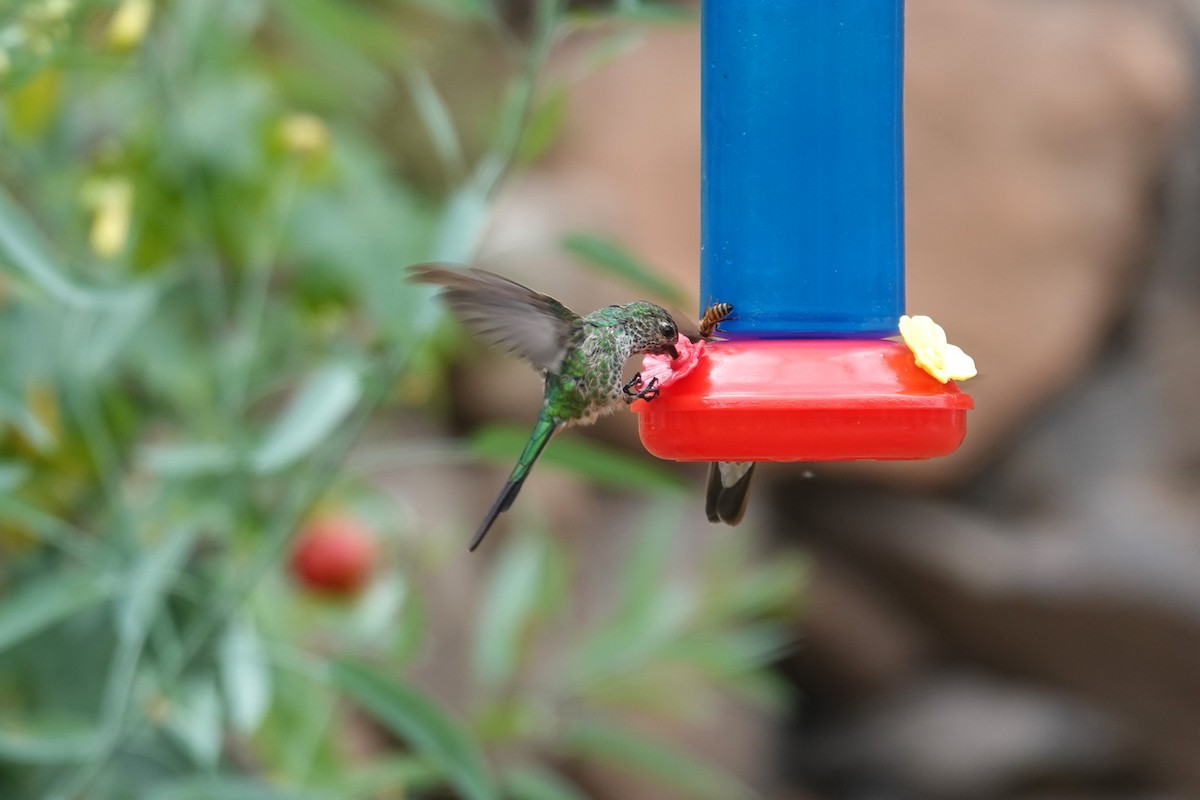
(674, 352)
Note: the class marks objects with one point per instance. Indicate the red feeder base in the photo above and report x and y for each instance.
(804, 400)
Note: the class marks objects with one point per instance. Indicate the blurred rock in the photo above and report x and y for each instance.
(964, 735)
(858, 645)
(1091, 592)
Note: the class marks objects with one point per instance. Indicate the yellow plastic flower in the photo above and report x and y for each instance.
(927, 341)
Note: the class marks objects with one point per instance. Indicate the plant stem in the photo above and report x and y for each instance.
(495, 166)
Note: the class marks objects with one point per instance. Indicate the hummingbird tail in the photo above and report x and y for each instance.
(533, 448)
(728, 490)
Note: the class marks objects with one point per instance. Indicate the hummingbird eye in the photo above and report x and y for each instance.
(667, 329)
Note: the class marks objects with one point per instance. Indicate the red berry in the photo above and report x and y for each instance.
(333, 555)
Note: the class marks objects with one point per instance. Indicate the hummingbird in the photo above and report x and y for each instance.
(581, 357)
(728, 481)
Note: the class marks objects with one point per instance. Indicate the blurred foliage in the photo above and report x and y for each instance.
(607, 256)
(205, 211)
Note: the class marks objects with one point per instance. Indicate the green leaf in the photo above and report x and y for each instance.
(776, 588)
(644, 576)
(656, 13)
(534, 783)
(511, 718)
(544, 126)
(315, 411)
(610, 49)
(606, 255)
(150, 581)
(47, 529)
(411, 628)
(342, 30)
(376, 612)
(222, 787)
(245, 678)
(421, 723)
(507, 612)
(656, 689)
(595, 462)
(47, 744)
(51, 599)
(650, 610)
(12, 475)
(401, 772)
(435, 116)
(768, 690)
(627, 643)
(640, 755)
(21, 417)
(634, 13)
(728, 654)
(96, 336)
(556, 591)
(462, 224)
(465, 9)
(196, 721)
(23, 248)
(188, 459)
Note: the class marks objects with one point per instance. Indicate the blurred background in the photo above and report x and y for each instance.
(240, 457)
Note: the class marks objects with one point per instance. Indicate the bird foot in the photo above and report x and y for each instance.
(651, 391)
(634, 390)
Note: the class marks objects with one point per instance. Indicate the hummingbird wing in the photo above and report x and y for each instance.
(728, 490)
(503, 313)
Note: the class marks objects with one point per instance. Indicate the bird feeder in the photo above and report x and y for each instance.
(802, 215)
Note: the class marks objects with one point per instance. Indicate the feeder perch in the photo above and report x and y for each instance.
(802, 215)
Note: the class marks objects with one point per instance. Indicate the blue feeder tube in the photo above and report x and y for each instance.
(802, 179)
(802, 214)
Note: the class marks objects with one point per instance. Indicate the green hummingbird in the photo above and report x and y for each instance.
(581, 357)
(728, 481)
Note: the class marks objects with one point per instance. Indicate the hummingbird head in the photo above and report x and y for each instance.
(654, 330)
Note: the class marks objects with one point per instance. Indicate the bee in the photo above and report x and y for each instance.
(711, 320)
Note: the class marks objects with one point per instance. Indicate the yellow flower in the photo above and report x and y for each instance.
(304, 135)
(111, 201)
(129, 24)
(927, 341)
